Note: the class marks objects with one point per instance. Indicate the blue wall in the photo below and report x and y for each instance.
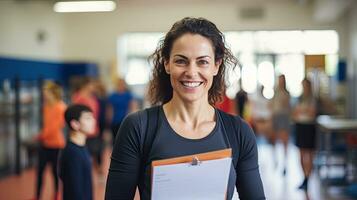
(10, 68)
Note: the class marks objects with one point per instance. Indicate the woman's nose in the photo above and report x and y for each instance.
(192, 70)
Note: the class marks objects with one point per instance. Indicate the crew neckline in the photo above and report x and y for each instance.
(214, 130)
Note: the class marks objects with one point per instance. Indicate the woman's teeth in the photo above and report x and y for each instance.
(191, 84)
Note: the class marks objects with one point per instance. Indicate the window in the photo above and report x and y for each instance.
(264, 55)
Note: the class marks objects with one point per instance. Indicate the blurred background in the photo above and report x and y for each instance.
(317, 39)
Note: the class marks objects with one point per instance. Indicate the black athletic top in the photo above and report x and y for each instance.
(75, 172)
(124, 172)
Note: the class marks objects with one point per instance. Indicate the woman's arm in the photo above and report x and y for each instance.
(125, 161)
(248, 183)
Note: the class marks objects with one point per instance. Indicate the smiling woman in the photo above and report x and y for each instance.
(188, 79)
(192, 67)
(209, 42)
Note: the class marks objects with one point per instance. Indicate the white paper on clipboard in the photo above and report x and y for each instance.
(206, 179)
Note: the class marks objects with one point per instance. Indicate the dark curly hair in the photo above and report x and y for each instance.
(160, 89)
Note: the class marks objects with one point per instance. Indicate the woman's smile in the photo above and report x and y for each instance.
(191, 84)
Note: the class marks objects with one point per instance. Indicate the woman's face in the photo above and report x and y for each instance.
(191, 67)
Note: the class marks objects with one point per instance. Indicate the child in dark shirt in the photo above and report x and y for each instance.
(75, 168)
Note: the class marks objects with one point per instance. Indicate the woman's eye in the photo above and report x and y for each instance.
(203, 62)
(180, 62)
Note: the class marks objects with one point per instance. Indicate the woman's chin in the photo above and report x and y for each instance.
(192, 98)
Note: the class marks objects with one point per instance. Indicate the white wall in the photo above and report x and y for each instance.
(93, 36)
(19, 24)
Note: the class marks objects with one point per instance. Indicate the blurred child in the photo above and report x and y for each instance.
(75, 163)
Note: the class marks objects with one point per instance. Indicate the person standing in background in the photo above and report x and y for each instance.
(85, 96)
(121, 103)
(51, 137)
(75, 169)
(261, 114)
(241, 100)
(281, 116)
(101, 95)
(304, 116)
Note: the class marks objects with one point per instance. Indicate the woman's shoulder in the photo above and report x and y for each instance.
(135, 124)
(134, 117)
(236, 121)
(141, 117)
(240, 135)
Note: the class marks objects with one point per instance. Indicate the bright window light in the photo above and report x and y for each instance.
(266, 74)
(232, 38)
(276, 41)
(292, 66)
(233, 82)
(135, 78)
(142, 44)
(264, 55)
(320, 42)
(84, 6)
(331, 64)
(133, 52)
(268, 93)
(249, 78)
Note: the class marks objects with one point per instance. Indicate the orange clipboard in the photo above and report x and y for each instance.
(225, 153)
(194, 159)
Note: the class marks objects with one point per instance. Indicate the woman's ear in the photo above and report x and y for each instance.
(167, 67)
(216, 66)
(75, 125)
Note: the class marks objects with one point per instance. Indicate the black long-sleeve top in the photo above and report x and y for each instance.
(124, 172)
(75, 171)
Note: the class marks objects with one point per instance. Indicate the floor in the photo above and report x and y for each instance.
(276, 185)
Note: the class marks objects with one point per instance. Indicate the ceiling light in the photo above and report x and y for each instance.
(84, 6)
